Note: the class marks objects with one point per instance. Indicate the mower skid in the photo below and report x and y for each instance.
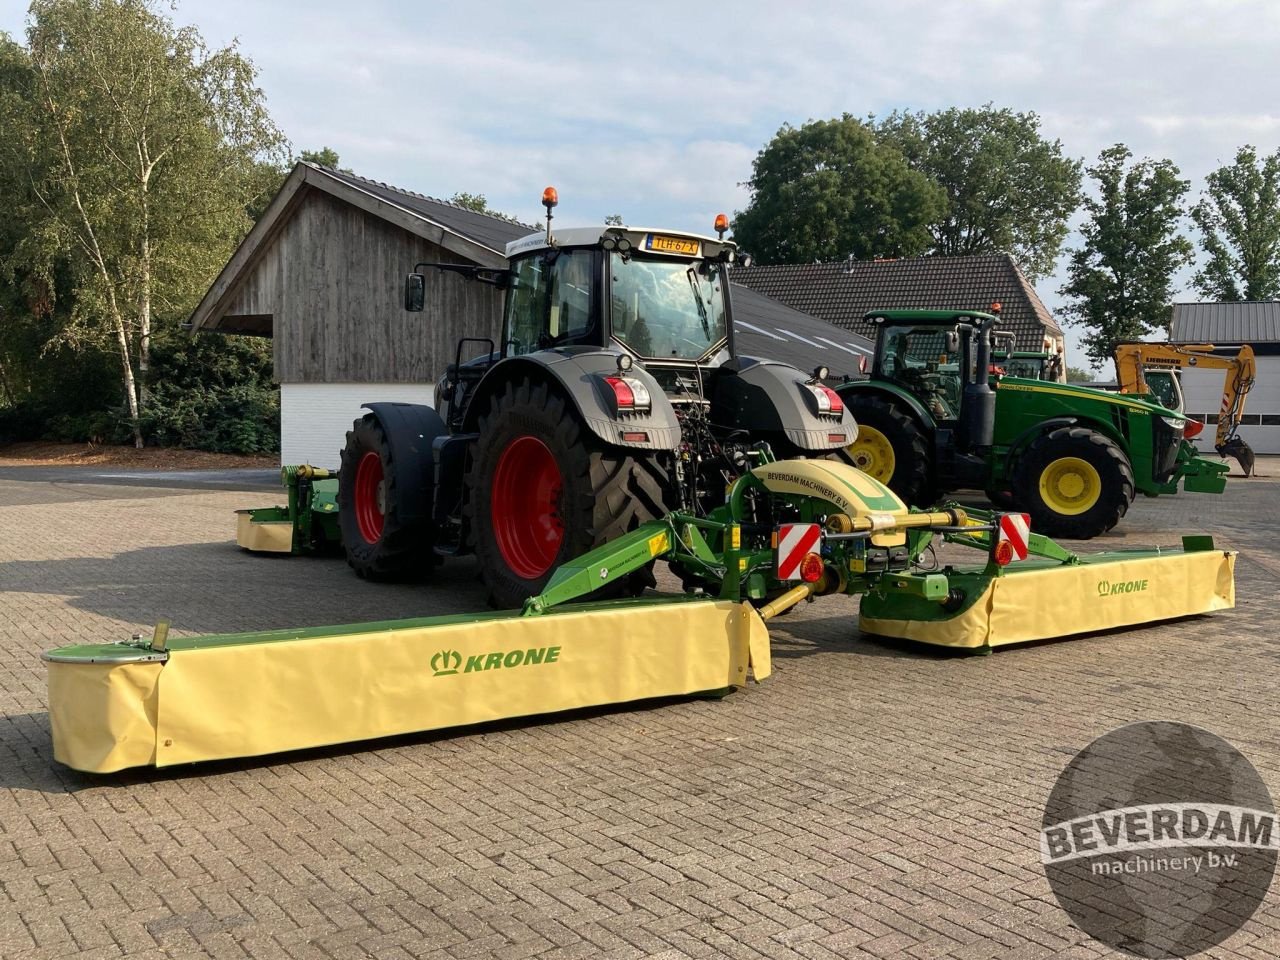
(265, 530)
(1040, 600)
(114, 706)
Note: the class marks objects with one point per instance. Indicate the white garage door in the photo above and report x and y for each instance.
(1261, 427)
(315, 417)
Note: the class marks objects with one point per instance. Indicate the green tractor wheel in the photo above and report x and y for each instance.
(891, 447)
(1075, 482)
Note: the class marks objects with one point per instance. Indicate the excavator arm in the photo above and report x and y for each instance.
(1133, 359)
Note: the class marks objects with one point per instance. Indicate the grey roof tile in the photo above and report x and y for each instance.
(772, 330)
(841, 293)
(494, 231)
(1251, 321)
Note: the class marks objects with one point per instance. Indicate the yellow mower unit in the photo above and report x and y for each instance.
(789, 532)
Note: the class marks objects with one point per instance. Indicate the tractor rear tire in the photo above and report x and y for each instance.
(891, 447)
(1075, 482)
(379, 542)
(544, 490)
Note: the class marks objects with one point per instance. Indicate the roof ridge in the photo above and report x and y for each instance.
(494, 215)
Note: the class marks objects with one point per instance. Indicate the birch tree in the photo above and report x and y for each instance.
(143, 149)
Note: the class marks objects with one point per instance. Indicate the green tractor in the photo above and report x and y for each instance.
(936, 415)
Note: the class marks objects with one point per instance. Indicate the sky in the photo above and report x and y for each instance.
(656, 110)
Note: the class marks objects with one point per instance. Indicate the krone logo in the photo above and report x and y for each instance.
(446, 662)
(1111, 588)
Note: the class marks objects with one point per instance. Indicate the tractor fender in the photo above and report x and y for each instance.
(770, 396)
(580, 376)
(892, 394)
(1024, 439)
(411, 430)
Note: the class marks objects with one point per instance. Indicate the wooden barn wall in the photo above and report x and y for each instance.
(334, 281)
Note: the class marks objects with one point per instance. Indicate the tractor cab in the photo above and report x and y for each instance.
(941, 362)
(657, 298)
(661, 297)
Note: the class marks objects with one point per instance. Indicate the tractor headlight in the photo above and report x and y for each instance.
(1175, 423)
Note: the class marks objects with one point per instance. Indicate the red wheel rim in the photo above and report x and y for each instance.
(525, 507)
(369, 497)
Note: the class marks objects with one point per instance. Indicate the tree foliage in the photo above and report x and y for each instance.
(143, 151)
(471, 201)
(1008, 189)
(324, 157)
(1079, 375)
(1120, 281)
(1239, 221)
(829, 190)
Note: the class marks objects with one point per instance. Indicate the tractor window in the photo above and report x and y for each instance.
(1165, 388)
(549, 302)
(917, 358)
(667, 308)
(1032, 368)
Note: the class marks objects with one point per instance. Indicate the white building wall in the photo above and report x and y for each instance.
(1202, 390)
(315, 417)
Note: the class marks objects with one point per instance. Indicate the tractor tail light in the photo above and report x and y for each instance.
(811, 568)
(1192, 429)
(829, 402)
(1002, 553)
(630, 395)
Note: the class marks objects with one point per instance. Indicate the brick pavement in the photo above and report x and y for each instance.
(865, 801)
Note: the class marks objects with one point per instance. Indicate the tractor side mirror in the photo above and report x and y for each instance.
(415, 292)
(953, 341)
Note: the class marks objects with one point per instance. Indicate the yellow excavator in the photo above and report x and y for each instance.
(1151, 368)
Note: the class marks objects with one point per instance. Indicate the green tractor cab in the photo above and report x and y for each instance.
(936, 414)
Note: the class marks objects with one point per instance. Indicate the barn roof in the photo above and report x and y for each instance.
(494, 230)
(767, 328)
(1252, 321)
(841, 293)
(474, 237)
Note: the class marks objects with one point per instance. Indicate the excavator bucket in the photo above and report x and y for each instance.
(1236, 448)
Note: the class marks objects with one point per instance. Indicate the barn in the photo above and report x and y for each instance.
(1227, 326)
(322, 274)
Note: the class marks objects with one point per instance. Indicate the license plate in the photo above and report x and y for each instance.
(681, 245)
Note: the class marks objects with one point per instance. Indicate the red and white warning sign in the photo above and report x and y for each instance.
(1016, 529)
(795, 542)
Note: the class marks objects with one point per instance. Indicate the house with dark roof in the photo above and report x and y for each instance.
(322, 274)
(842, 293)
(1228, 326)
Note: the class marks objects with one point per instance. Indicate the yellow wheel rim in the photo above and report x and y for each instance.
(1070, 486)
(872, 453)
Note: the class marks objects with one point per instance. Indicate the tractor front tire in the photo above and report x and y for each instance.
(380, 543)
(543, 490)
(1075, 482)
(891, 447)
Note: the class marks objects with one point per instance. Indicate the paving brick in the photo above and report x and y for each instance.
(868, 800)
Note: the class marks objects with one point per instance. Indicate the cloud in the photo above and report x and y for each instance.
(657, 110)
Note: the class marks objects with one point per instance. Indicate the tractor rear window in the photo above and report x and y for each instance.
(918, 359)
(667, 308)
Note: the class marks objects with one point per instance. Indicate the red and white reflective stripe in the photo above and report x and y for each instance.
(1016, 528)
(795, 542)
